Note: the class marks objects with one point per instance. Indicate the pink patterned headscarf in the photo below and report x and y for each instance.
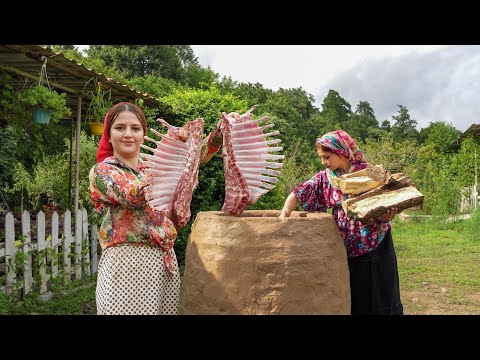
(341, 143)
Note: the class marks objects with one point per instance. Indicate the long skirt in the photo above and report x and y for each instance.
(374, 283)
(133, 280)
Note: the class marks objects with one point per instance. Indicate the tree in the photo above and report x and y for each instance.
(404, 127)
(198, 77)
(363, 123)
(167, 61)
(442, 135)
(386, 126)
(292, 110)
(336, 111)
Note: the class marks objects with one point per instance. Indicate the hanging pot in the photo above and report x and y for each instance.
(96, 129)
(42, 116)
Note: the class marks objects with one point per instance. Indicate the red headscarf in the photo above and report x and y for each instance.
(105, 149)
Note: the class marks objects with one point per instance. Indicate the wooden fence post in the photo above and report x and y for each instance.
(54, 244)
(78, 244)
(41, 245)
(67, 242)
(27, 250)
(85, 244)
(9, 253)
(93, 249)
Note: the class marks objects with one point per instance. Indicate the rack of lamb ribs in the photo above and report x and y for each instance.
(173, 169)
(245, 153)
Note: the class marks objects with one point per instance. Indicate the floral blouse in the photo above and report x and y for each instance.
(317, 194)
(117, 192)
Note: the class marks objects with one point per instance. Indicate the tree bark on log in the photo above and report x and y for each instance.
(378, 201)
(364, 180)
(397, 191)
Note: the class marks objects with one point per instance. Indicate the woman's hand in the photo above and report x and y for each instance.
(284, 214)
(389, 214)
(182, 134)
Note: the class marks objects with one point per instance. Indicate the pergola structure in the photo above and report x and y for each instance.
(67, 76)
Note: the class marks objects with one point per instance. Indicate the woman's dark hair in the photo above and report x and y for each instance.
(121, 107)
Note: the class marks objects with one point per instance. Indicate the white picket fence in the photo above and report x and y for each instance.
(62, 252)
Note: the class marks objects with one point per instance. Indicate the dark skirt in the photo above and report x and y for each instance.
(374, 284)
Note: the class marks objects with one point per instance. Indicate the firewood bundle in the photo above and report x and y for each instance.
(373, 190)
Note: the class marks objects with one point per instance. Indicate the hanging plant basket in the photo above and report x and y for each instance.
(96, 129)
(42, 116)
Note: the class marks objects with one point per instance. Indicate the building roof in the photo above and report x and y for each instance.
(66, 75)
(473, 130)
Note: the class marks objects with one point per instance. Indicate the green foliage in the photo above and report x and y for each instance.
(166, 61)
(363, 123)
(404, 127)
(298, 166)
(386, 151)
(292, 109)
(205, 103)
(50, 176)
(155, 86)
(335, 113)
(198, 77)
(42, 97)
(8, 147)
(101, 101)
(442, 135)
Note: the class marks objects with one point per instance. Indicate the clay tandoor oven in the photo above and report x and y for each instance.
(258, 264)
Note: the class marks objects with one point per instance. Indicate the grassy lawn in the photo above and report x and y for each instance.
(439, 266)
(77, 300)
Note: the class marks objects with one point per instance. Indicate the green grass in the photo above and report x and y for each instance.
(79, 300)
(432, 256)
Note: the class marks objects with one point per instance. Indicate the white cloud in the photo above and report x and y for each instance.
(434, 82)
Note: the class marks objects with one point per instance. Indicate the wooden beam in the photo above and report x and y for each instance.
(36, 78)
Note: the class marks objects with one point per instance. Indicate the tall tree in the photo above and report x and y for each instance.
(386, 126)
(363, 123)
(404, 127)
(167, 61)
(336, 111)
(442, 135)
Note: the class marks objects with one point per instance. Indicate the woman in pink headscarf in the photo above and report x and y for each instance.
(371, 256)
(138, 271)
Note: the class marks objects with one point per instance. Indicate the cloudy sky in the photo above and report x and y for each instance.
(434, 82)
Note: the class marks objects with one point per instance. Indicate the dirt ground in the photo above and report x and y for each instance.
(437, 300)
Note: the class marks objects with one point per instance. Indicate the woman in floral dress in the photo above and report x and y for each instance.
(138, 271)
(371, 255)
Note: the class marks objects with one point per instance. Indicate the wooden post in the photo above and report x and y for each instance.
(85, 243)
(10, 251)
(27, 248)
(41, 245)
(78, 245)
(67, 241)
(77, 152)
(54, 244)
(93, 249)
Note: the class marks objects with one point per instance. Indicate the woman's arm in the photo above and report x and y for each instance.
(290, 205)
(117, 187)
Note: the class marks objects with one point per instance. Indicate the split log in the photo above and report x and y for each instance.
(375, 172)
(379, 201)
(392, 184)
(358, 185)
(358, 182)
